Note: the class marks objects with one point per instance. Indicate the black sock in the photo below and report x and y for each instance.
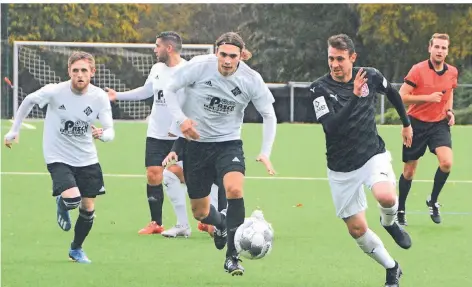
(215, 218)
(155, 195)
(82, 228)
(234, 218)
(69, 203)
(222, 201)
(439, 180)
(404, 186)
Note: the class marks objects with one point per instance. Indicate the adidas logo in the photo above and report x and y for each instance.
(208, 83)
(236, 159)
(62, 107)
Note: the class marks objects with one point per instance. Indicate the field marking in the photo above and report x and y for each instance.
(28, 126)
(247, 177)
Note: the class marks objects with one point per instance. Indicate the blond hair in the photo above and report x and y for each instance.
(232, 38)
(79, 55)
(441, 36)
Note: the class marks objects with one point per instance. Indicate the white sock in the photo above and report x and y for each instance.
(371, 244)
(388, 214)
(214, 196)
(176, 194)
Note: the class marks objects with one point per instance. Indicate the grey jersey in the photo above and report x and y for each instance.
(217, 103)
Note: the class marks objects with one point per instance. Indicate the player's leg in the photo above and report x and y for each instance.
(410, 158)
(90, 183)
(66, 192)
(214, 200)
(173, 178)
(231, 167)
(440, 143)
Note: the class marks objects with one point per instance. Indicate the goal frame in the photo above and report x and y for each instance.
(17, 44)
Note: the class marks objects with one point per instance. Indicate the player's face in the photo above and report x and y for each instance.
(228, 59)
(340, 63)
(438, 50)
(161, 51)
(80, 73)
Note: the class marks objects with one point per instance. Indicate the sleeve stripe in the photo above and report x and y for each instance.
(410, 83)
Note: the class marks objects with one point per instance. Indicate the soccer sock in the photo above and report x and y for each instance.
(222, 201)
(404, 186)
(155, 195)
(214, 196)
(388, 214)
(82, 227)
(234, 218)
(69, 203)
(371, 244)
(439, 180)
(176, 194)
(215, 218)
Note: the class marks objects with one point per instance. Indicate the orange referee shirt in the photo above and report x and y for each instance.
(425, 81)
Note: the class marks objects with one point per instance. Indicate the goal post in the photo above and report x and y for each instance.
(120, 66)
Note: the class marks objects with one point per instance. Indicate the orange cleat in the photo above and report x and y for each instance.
(206, 228)
(152, 228)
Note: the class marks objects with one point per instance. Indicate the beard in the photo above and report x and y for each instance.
(163, 58)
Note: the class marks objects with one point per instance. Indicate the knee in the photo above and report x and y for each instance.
(234, 190)
(387, 199)
(356, 230)
(409, 172)
(170, 178)
(87, 204)
(154, 175)
(200, 213)
(445, 165)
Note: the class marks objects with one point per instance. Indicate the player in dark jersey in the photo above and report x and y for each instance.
(344, 103)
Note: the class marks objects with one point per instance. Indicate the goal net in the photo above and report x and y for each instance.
(120, 66)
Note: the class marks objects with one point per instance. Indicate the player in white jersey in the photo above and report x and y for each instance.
(158, 140)
(218, 89)
(69, 151)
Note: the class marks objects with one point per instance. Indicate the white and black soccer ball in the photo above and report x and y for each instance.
(254, 238)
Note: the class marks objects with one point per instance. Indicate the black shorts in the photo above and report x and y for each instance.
(205, 163)
(89, 179)
(425, 134)
(156, 151)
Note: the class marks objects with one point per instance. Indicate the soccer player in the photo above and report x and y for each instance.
(159, 141)
(68, 147)
(218, 89)
(428, 90)
(344, 103)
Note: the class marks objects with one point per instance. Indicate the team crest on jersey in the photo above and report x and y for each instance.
(236, 91)
(365, 90)
(88, 111)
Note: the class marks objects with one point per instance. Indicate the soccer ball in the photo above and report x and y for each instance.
(253, 238)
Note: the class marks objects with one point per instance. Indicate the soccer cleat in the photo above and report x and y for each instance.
(401, 237)
(63, 216)
(78, 255)
(178, 231)
(233, 267)
(401, 218)
(434, 211)
(393, 276)
(220, 238)
(152, 228)
(206, 228)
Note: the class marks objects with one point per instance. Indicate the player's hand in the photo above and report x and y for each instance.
(96, 132)
(9, 138)
(452, 118)
(407, 135)
(188, 129)
(266, 161)
(435, 97)
(170, 159)
(359, 81)
(111, 94)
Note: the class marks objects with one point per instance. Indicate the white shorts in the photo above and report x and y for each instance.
(347, 188)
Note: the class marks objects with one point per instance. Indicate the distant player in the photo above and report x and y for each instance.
(218, 89)
(428, 90)
(158, 141)
(68, 146)
(344, 103)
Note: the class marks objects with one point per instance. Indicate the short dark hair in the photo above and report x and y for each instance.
(342, 42)
(173, 37)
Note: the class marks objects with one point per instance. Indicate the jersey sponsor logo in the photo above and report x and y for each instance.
(365, 90)
(74, 129)
(236, 91)
(159, 98)
(320, 106)
(88, 111)
(219, 106)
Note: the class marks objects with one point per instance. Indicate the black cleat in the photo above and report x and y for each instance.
(401, 237)
(434, 211)
(233, 267)
(220, 238)
(393, 276)
(401, 218)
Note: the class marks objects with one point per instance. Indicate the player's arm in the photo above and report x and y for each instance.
(384, 86)
(137, 94)
(412, 80)
(263, 100)
(106, 120)
(324, 111)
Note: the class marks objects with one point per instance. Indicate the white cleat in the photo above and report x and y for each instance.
(178, 231)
